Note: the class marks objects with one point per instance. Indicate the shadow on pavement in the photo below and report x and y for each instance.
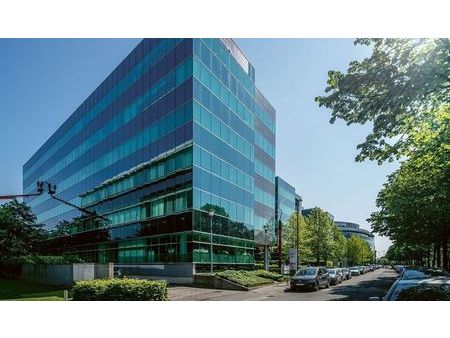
(364, 289)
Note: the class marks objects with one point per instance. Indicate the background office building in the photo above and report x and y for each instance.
(307, 212)
(352, 229)
(177, 130)
(285, 197)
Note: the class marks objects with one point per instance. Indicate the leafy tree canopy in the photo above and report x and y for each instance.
(19, 232)
(395, 88)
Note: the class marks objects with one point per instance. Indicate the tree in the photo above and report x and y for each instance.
(358, 251)
(19, 232)
(340, 247)
(414, 202)
(319, 236)
(395, 88)
(289, 237)
(402, 88)
(320, 240)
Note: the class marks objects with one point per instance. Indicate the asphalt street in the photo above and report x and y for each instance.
(358, 288)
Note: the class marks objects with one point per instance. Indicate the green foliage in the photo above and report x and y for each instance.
(402, 89)
(269, 275)
(245, 278)
(358, 251)
(40, 259)
(119, 289)
(289, 235)
(323, 239)
(414, 203)
(320, 240)
(395, 88)
(19, 233)
(425, 293)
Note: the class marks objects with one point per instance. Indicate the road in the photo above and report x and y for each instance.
(358, 288)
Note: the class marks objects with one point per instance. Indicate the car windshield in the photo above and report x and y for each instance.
(401, 287)
(423, 273)
(306, 272)
(332, 270)
(354, 268)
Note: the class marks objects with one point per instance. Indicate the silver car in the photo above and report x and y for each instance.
(335, 276)
(346, 273)
(403, 284)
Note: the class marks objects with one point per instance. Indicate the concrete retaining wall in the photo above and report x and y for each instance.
(65, 274)
(176, 273)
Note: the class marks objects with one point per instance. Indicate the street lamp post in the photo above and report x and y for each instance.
(211, 216)
(266, 261)
(297, 209)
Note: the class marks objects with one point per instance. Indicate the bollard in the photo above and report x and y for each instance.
(66, 295)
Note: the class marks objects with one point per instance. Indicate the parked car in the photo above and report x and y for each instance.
(361, 269)
(416, 273)
(403, 284)
(346, 273)
(335, 276)
(355, 271)
(398, 268)
(341, 273)
(311, 277)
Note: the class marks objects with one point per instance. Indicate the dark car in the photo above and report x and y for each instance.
(311, 278)
(418, 273)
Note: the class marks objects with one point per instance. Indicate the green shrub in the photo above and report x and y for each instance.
(425, 292)
(269, 275)
(245, 278)
(40, 259)
(119, 289)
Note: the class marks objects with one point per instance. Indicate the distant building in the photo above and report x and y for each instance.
(285, 198)
(307, 212)
(349, 229)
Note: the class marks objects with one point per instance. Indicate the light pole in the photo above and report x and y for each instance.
(279, 236)
(297, 209)
(266, 261)
(211, 215)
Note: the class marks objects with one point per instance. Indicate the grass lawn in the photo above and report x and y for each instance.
(11, 289)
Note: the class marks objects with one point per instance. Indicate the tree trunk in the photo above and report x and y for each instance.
(445, 253)
(433, 264)
(438, 254)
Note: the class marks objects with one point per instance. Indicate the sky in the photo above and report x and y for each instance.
(42, 81)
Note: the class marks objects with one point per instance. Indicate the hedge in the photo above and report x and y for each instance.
(426, 293)
(269, 275)
(245, 278)
(119, 289)
(41, 259)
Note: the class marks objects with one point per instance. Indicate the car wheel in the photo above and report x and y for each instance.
(316, 286)
(328, 284)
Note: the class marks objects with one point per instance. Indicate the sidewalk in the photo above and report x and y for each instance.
(188, 293)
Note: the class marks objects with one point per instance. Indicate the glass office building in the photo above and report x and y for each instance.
(176, 141)
(285, 197)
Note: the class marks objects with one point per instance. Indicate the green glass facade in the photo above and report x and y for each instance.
(177, 130)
